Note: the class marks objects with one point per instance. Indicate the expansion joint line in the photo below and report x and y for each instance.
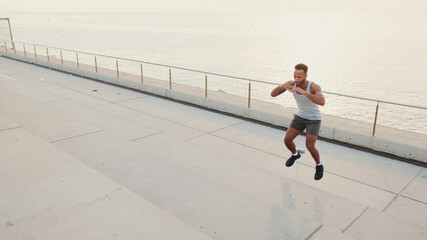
(397, 195)
(216, 130)
(314, 232)
(345, 229)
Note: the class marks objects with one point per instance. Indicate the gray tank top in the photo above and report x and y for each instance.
(306, 108)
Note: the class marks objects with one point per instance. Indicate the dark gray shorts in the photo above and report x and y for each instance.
(299, 123)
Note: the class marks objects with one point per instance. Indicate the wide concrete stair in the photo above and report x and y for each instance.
(86, 160)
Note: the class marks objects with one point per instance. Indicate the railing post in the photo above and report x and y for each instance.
(25, 52)
(170, 79)
(10, 32)
(47, 54)
(206, 85)
(35, 52)
(62, 59)
(142, 75)
(375, 120)
(117, 67)
(14, 48)
(96, 65)
(5, 46)
(77, 57)
(249, 95)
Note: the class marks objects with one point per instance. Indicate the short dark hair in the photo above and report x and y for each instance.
(302, 66)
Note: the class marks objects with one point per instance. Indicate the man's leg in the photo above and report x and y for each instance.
(291, 134)
(310, 141)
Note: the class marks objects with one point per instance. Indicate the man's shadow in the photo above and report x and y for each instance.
(293, 219)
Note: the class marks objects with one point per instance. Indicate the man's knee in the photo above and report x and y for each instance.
(288, 139)
(310, 145)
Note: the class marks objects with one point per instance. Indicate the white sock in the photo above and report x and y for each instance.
(320, 164)
(295, 154)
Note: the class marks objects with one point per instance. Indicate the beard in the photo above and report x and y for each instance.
(302, 82)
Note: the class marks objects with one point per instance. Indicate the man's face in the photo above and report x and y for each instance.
(299, 77)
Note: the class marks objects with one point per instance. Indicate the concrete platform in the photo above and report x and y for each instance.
(82, 159)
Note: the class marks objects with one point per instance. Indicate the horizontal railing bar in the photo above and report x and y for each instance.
(220, 75)
(151, 63)
(375, 100)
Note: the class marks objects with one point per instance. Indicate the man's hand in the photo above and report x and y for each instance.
(288, 85)
(282, 88)
(298, 90)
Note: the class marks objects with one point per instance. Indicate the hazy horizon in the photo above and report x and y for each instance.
(275, 6)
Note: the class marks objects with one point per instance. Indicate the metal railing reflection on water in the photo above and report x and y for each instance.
(86, 58)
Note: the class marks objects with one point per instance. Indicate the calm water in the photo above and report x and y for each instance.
(382, 56)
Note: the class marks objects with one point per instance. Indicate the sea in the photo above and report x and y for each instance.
(371, 55)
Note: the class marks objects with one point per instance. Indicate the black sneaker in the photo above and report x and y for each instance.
(319, 172)
(292, 159)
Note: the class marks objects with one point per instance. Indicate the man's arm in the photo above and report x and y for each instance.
(315, 96)
(282, 88)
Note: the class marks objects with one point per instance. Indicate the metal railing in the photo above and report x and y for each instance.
(170, 67)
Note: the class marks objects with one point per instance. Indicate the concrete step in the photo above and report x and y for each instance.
(266, 186)
(214, 208)
(47, 194)
(374, 224)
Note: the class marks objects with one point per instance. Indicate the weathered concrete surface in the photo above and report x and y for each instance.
(119, 164)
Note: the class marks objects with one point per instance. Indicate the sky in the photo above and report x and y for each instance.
(9, 6)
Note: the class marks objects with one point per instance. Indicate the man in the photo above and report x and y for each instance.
(308, 96)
